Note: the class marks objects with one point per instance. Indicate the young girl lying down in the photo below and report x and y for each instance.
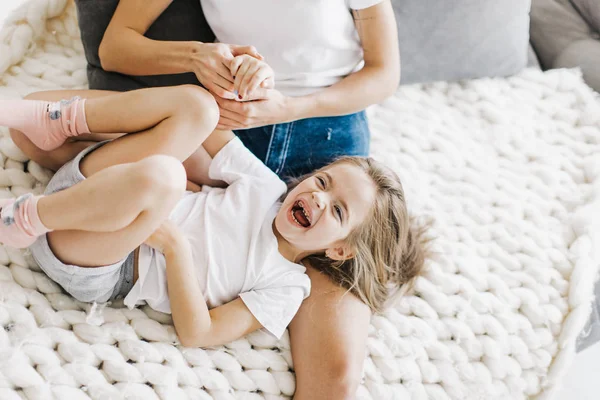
(117, 220)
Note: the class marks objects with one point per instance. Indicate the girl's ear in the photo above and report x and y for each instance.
(342, 253)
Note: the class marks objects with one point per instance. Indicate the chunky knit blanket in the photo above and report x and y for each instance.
(508, 169)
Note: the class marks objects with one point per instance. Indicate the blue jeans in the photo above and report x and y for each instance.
(296, 148)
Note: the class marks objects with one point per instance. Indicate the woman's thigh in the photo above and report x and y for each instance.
(299, 147)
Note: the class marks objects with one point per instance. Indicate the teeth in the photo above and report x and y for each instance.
(306, 215)
(294, 217)
(304, 212)
(299, 204)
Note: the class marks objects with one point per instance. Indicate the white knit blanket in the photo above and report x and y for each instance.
(509, 169)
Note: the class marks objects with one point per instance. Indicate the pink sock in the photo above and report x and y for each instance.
(46, 124)
(20, 222)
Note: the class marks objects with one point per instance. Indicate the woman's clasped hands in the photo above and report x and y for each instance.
(243, 86)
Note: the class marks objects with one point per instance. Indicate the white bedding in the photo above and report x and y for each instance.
(508, 169)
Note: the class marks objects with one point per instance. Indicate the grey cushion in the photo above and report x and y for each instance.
(182, 20)
(451, 40)
(562, 38)
(555, 24)
(584, 54)
(590, 11)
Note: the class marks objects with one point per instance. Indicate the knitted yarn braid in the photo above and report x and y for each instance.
(508, 169)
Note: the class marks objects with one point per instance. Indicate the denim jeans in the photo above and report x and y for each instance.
(296, 148)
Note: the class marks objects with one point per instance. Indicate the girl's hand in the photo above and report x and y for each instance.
(250, 73)
(192, 187)
(211, 61)
(165, 237)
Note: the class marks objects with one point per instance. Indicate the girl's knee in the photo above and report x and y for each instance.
(201, 103)
(161, 176)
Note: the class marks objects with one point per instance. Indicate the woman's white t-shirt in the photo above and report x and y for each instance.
(310, 44)
(234, 249)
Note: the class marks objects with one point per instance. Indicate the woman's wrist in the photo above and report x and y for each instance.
(299, 108)
(194, 50)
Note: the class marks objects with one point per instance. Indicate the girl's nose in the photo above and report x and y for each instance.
(319, 200)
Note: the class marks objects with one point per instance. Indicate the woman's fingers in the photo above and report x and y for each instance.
(223, 71)
(252, 70)
(218, 90)
(250, 50)
(268, 83)
(235, 66)
(219, 85)
(263, 73)
(258, 94)
(216, 81)
(222, 82)
(232, 117)
(228, 124)
(249, 73)
(239, 77)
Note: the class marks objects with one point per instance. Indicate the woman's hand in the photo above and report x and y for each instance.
(165, 237)
(211, 62)
(249, 73)
(273, 108)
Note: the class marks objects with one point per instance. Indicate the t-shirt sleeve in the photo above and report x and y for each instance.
(234, 162)
(362, 4)
(275, 306)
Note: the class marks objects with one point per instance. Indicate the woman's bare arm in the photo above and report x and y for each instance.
(125, 49)
(378, 79)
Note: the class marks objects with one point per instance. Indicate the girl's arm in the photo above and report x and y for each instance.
(216, 141)
(196, 325)
(378, 79)
(125, 49)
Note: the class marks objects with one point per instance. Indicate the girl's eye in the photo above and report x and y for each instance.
(338, 211)
(321, 182)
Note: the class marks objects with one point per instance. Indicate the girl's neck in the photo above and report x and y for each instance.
(287, 250)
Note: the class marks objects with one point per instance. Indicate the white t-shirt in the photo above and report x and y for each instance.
(234, 249)
(310, 44)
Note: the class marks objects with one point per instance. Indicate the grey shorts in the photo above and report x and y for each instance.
(88, 284)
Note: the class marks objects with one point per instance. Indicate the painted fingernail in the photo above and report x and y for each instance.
(240, 97)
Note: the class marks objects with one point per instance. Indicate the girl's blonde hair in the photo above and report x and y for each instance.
(389, 250)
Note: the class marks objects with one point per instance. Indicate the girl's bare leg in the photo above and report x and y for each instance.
(172, 121)
(166, 121)
(169, 121)
(196, 166)
(102, 219)
(328, 338)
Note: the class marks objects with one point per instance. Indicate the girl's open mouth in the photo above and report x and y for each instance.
(300, 215)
